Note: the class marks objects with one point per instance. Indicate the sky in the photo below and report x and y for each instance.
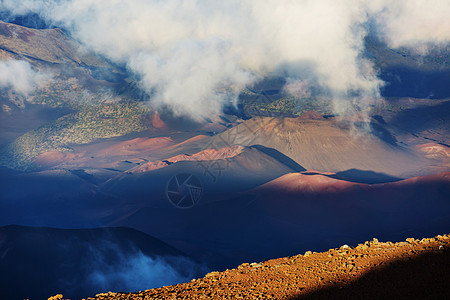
(195, 56)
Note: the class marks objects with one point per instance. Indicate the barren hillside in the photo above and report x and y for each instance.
(414, 269)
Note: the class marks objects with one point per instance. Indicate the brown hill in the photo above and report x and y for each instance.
(225, 170)
(299, 183)
(205, 155)
(325, 145)
(415, 269)
(105, 154)
(49, 45)
(311, 115)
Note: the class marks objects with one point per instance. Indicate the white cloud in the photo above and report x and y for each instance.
(135, 272)
(194, 56)
(19, 76)
(414, 23)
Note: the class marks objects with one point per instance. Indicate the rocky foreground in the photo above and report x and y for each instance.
(413, 269)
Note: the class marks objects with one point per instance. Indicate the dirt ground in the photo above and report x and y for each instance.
(413, 269)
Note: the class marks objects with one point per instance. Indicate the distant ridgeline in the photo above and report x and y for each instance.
(31, 20)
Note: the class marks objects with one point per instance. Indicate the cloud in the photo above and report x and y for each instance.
(413, 23)
(297, 88)
(108, 264)
(19, 76)
(196, 56)
(136, 272)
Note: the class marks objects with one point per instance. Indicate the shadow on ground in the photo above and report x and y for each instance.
(424, 277)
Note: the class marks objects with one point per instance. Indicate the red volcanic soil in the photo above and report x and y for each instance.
(138, 146)
(297, 182)
(98, 155)
(157, 122)
(53, 158)
(214, 127)
(321, 183)
(205, 155)
(311, 115)
(326, 145)
(194, 139)
(415, 269)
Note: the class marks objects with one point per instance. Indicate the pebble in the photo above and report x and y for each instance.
(255, 265)
(410, 240)
(215, 273)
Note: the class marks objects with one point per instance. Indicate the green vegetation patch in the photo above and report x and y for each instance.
(90, 123)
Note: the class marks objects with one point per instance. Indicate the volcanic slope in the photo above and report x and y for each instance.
(226, 170)
(325, 145)
(43, 45)
(415, 269)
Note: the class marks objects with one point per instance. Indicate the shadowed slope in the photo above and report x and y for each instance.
(38, 262)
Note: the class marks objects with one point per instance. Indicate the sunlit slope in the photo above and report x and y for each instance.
(45, 45)
(325, 145)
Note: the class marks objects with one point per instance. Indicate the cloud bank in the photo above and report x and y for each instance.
(195, 56)
(19, 76)
(413, 23)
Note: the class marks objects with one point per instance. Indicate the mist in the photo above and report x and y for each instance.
(196, 56)
(135, 272)
(19, 77)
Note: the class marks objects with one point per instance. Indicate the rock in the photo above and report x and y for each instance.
(375, 240)
(362, 247)
(410, 240)
(211, 274)
(255, 265)
(243, 265)
(308, 253)
(344, 247)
